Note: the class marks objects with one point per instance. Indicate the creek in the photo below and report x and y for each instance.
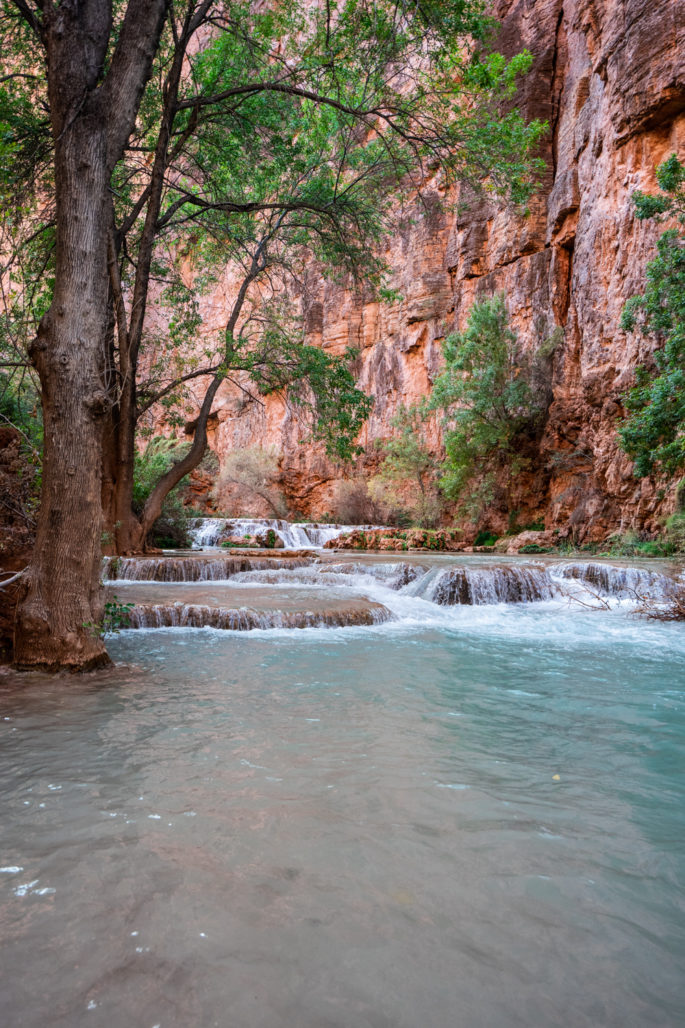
(352, 791)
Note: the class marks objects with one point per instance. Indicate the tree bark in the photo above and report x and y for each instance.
(153, 506)
(125, 529)
(58, 618)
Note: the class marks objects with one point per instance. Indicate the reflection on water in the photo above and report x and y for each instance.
(473, 824)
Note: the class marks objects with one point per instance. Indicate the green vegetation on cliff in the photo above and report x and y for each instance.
(494, 395)
(653, 434)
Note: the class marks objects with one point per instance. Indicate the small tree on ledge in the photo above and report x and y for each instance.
(653, 434)
(491, 411)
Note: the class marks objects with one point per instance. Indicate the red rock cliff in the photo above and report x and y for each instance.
(609, 77)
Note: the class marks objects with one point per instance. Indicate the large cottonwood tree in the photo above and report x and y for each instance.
(93, 91)
(154, 110)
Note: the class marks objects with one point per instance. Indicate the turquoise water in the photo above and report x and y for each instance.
(467, 822)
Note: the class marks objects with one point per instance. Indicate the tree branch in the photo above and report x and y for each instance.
(30, 16)
(130, 69)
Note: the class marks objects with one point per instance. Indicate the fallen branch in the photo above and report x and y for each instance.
(671, 609)
(600, 602)
(13, 578)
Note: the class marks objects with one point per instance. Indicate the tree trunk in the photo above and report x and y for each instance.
(58, 617)
(92, 115)
(153, 507)
(122, 532)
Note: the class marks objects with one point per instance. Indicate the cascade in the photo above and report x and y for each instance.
(614, 580)
(394, 576)
(240, 592)
(242, 619)
(477, 586)
(303, 571)
(191, 569)
(295, 535)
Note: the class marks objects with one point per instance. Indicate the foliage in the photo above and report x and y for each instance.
(151, 463)
(675, 531)
(20, 407)
(668, 544)
(170, 530)
(389, 503)
(318, 387)
(116, 616)
(514, 527)
(409, 465)
(653, 434)
(353, 504)
(271, 138)
(489, 404)
(485, 538)
(407, 455)
(631, 544)
(21, 439)
(296, 128)
(256, 470)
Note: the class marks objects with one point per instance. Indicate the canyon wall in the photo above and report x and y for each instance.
(609, 77)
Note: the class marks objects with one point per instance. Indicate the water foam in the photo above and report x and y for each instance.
(296, 535)
(191, 569)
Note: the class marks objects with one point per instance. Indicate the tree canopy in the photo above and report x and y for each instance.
(151, 145)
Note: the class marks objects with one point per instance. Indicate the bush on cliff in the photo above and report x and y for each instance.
(254, 470)
(653, 434)
(494, 396)
(407, 482)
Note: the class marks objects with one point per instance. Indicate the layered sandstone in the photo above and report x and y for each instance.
(609, 77)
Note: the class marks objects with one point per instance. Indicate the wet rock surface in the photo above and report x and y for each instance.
(229, 607)
(192, 568)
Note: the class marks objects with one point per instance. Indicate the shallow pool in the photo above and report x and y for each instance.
(478, 821)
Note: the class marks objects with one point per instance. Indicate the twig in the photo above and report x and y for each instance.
(13, 578)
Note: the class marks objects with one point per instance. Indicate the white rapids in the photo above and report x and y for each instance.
(421, 589)
(295, 535)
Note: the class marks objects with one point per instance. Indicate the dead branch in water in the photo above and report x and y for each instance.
(598, 601)
(670, 609)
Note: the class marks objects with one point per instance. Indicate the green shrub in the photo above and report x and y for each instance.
(494, 397)
(116, 616)
(410, 467)
(535, 548)
(675, 531)
(485, 538)
(654, 432)
(631, 545)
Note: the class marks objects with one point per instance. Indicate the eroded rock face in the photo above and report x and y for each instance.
(609, 77)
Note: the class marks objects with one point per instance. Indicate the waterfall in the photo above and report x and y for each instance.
(240, 592)
(186, 615)
(296, 535)
(613, 580)
(488, 585)
(190, 569)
